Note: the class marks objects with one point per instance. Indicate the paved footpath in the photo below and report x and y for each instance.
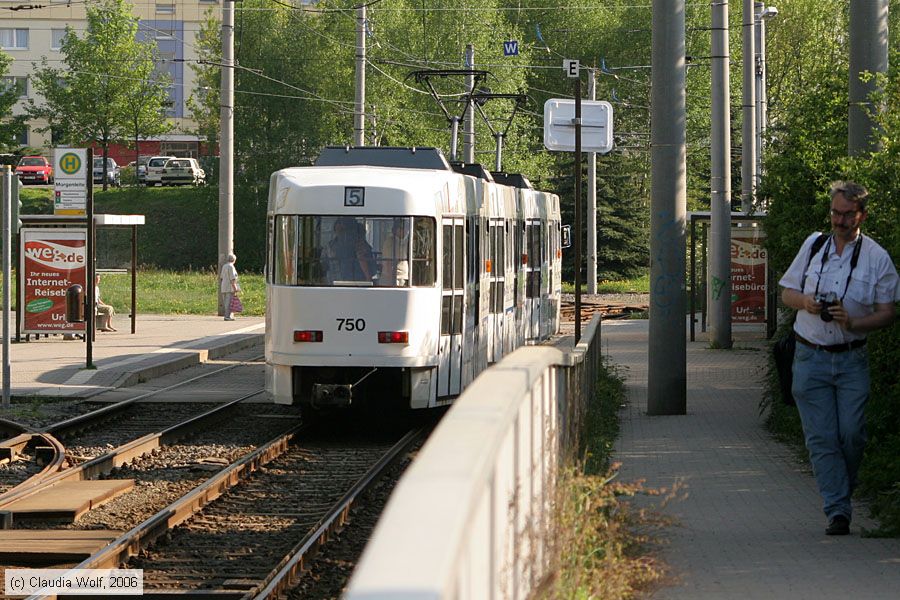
(751, 524)
(52, 366)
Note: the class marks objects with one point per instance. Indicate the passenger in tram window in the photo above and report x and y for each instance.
(350, 255)
(395, 256)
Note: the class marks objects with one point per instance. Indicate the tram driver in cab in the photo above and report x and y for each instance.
(350, 257)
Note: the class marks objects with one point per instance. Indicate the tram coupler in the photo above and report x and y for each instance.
(336, 395)
(332, 395)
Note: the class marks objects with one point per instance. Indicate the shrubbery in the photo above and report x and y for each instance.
(803, 161)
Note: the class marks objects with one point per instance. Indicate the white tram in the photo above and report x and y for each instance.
(392, 274)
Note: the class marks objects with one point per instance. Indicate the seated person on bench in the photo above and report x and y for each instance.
(105, 312)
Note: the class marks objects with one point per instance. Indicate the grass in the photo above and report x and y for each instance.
(175, 293)
(601, 537)
(179, 293)
(636, 285)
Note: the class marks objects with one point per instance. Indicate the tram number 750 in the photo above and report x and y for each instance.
(351, 324)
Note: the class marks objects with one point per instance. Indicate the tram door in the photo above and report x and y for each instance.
(497, 260)
(452, 317)
(533, 277)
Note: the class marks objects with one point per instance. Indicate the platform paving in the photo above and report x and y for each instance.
(749, 524)
(162, 344)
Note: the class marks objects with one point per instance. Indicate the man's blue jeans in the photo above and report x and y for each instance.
(831, 390)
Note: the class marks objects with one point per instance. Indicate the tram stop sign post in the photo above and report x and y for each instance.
(564, 123)
(596, 125)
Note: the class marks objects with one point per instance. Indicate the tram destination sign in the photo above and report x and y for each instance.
(70, 174)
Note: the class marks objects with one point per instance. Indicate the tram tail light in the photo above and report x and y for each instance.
(393, 337)
(487, 266)
(307, 335)
(524, 259)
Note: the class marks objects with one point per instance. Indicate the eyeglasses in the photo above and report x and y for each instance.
(850, 214)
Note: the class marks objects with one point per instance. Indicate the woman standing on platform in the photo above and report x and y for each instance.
(229, 285)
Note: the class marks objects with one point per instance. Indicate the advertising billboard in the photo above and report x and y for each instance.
(50, 261)
(748, 275)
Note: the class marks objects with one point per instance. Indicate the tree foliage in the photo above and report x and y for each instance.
(107, 88)
(10, 126)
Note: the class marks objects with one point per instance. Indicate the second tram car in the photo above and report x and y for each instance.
(393, 274)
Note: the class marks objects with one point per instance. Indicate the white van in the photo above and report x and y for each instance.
(155, 168)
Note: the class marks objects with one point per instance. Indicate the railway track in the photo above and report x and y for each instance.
(259, 519)
(87, 438)
(607, 310)
(293, 491)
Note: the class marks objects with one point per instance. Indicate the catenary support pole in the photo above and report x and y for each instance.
(748, 131)
(592, 200)
(720, 184)
(226, 144)
(469, 121)
(359, 108)
(759, 27)
(578, 256)
(667, 377)
(868, 52)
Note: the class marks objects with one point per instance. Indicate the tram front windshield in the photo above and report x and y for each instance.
(335, 250)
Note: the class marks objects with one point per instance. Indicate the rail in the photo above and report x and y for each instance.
(470, 517)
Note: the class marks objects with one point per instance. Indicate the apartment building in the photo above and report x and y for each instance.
(29, 35)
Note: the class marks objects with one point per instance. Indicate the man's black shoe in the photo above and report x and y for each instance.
(838, 525)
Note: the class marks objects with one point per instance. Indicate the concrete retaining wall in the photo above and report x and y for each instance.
(469, 518)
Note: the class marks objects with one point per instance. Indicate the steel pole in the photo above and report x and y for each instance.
(226, 143)
(359, 109)
(667, 376)
(469, 121)
(7, 274)
(720, 184)
(578, 257)
(748, 131)
(592, 200)
(868, 52)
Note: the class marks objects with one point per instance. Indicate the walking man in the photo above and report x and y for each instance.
(846, 289)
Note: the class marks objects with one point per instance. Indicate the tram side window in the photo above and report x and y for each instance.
(424, 267)
(284, 271)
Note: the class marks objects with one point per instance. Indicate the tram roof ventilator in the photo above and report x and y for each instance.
(383, 156)
(512, 179)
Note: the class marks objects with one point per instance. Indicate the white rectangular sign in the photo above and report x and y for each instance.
(70, 172)
(596, 125)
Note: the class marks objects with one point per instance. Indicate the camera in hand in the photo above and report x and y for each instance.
(827, 300)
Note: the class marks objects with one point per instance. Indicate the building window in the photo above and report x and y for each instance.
(20, 83)
(164, 32)
(23, 136)
(165, 9)
(57, 36)
(209, 1)
(13, 39)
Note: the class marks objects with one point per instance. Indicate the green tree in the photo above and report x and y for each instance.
(96, 96)
(10, 126)
(143, 103)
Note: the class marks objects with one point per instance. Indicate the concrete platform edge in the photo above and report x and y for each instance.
(186, 358)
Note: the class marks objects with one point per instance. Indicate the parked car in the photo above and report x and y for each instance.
(183, 171)
(113, 172)
(154, 169)
(35, 169)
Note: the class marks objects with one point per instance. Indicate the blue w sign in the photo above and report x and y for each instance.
(511, 48)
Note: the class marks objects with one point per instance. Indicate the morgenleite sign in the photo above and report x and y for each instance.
(51, 261)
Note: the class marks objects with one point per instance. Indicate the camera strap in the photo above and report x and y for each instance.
(853, 261)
